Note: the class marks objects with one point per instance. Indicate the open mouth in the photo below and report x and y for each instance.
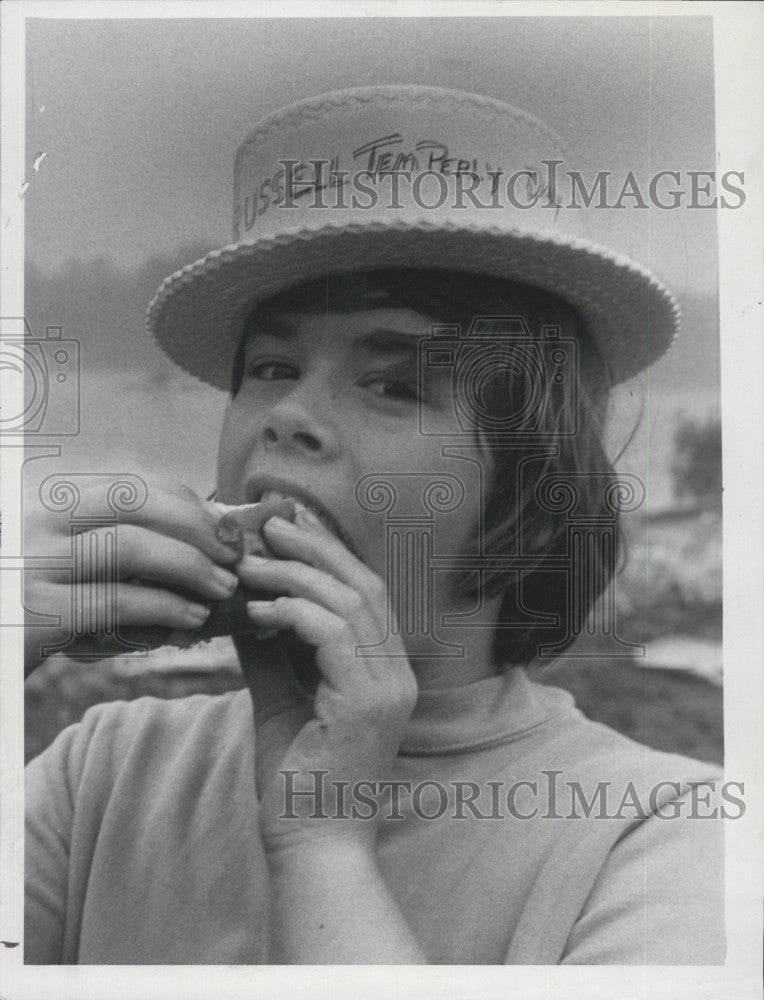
(303, 501)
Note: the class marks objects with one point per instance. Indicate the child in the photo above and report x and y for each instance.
(421, 356)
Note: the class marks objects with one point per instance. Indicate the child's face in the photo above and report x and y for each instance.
(329, 398)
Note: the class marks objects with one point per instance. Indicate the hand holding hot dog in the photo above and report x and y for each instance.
(354, 726)
(173, 566)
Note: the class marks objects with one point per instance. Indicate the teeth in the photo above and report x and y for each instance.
(299, 505)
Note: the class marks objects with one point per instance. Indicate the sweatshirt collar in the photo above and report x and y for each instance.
(481, 714)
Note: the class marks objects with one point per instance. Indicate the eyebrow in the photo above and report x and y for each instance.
(379, 340)
(270, 326)
(382, 341)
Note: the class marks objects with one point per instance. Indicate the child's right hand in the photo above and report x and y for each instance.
(168, 544)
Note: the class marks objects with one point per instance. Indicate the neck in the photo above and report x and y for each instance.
(469, 655)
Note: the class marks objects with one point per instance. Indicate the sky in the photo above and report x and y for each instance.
(140, 119)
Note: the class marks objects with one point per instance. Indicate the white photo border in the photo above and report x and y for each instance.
(740, 124)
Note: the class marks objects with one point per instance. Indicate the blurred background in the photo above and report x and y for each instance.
(131, 131)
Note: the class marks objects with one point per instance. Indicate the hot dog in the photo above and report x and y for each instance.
(238, 527)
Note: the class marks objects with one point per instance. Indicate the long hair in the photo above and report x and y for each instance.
(565, 415)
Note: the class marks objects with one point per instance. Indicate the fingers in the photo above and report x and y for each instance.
(328, 632)
(88, 609)
(281, 576)
(369, 694)
(128, 551)
(308, 541)
(177, 513)
(165, 552)
(336, 640)
(137, 604)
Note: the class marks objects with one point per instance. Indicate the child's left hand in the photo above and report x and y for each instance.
(354, 728)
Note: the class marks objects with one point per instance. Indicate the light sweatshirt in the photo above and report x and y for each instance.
(143, 846)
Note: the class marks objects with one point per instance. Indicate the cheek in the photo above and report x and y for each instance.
(232, 453)
(374, 546)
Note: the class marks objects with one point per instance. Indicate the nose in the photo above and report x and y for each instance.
(300, 425)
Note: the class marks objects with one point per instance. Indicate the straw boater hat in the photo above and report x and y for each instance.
(406, 177)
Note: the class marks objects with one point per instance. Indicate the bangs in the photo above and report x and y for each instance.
(452, 297)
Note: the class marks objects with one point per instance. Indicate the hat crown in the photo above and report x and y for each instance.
(422, 152)
(407, 177)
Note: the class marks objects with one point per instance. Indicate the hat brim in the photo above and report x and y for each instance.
(198, 314)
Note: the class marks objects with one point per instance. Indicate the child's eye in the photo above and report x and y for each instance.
(271, 371)
(402, 390)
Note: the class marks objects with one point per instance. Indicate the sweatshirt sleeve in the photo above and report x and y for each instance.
(59, 833)
(659, 897)
(119, 809)
(51, 781)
